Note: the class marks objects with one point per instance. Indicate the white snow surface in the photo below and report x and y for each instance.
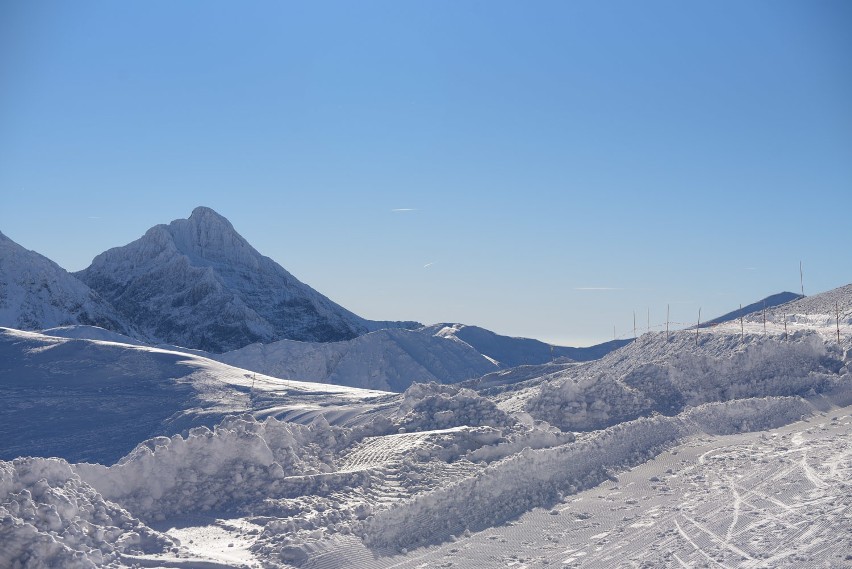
(389, 360)
(51, 518)
(95, 400)
(715, 448)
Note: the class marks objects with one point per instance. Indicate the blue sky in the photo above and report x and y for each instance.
(561, 164)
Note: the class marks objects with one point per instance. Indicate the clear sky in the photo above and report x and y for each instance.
(541, 169)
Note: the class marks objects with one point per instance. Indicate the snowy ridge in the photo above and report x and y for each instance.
(105, 397)
(36, 293)
(539, 478)
(656, 374)
(198, 283)
(393, 359)
(387, 360)
(239, 461)
(513, 352)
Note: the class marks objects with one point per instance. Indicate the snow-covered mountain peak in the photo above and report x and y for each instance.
(207, 235)
(198, 283)
(205, 238)
(37, 293)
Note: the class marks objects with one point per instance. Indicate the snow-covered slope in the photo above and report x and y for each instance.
(36, 293)
(94, 400)
(197, 283)
(386, 359)
(393, 359)
(768, 302)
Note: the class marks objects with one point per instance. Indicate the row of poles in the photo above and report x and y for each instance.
(742, 323)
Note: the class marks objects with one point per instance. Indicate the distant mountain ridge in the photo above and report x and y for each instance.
(198, 283)
(512, 352)
(768, 302)
(36, 293)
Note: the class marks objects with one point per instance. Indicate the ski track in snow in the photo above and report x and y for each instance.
(743, 500)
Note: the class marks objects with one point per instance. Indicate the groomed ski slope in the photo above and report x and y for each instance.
(726, 451)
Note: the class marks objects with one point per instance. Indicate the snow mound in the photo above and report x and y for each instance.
(51, 518)
(667, 375)
(431, 406)
(540, 478)
(240, 461)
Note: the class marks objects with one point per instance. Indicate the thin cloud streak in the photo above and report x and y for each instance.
(403, 209)
(427, 265)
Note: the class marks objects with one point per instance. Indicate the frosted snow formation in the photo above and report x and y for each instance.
(50, 518)
(656, 374)
(240, 461)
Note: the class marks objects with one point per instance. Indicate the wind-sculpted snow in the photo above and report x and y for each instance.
(666, 375)
(50, 518)
(431, 406)
(241, 461)
(540, 478)
(36, 293)
(826, 310)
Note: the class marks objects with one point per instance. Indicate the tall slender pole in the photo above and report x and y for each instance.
(742, 326)
(667, 322)
(837, 319)
(699, 326)
(764, 317)
(785, 325)
(801, 278)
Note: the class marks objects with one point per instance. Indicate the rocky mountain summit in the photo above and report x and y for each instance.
(198, 283)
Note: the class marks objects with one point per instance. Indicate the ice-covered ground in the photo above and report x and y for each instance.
(728, 448)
